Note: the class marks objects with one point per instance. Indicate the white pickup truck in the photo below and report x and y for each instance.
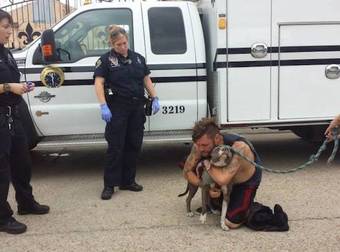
(255, 63)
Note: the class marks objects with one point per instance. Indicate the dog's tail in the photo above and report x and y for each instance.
(184, 193)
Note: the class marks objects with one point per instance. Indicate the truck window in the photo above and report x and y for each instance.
(86, 34)
(167, 33)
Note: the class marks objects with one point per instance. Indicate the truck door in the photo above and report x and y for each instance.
(309, 58)
(170, 54)
(248, 60)
(73, 108)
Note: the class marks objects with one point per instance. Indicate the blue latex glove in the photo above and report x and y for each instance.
(155, 105)
(106, 113)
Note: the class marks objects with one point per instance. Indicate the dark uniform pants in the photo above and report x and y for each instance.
(124, 134)
(15, 166)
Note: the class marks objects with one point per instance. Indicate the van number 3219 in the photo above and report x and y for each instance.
(173, 109)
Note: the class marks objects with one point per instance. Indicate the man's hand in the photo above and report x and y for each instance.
(214, 192)
(195, 152)
(332, 125)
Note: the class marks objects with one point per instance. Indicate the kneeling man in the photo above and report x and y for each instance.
(244, 177)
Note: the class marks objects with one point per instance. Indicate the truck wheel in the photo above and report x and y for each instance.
(27, 122)
(312, 134)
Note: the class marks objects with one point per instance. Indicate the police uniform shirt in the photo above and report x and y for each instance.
(9, 73)
(125, 76)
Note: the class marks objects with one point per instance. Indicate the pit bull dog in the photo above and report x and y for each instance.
(220, 157)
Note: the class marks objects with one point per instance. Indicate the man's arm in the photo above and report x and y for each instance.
(190, 165)
(223, 176)
(332, 125)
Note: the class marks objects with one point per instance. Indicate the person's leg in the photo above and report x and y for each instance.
(133, 143)
(7, 223)
(21, 166)
(115, 132)
(241, 198)
(5, 145)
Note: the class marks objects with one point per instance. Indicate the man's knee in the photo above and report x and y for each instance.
(232, 225)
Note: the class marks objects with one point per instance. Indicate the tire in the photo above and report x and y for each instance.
(32, 136)
(313, 134)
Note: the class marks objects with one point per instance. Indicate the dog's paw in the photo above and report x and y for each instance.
(224, 226)
(203, 218)
(190, 214)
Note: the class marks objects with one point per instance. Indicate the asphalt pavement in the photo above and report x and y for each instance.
(70, 181)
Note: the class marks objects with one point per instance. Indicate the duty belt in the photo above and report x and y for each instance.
(116, 96)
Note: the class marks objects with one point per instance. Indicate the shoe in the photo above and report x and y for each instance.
(12, 226)
(36, 208)
(107, 193)
(133, 187)
(280, 218)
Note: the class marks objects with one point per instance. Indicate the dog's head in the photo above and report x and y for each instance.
(221, 156)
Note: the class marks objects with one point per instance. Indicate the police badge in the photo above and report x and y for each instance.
(114, 61)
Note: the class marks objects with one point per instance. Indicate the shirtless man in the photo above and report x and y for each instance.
(245, 177)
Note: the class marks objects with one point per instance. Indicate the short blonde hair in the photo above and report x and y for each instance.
(115, 32)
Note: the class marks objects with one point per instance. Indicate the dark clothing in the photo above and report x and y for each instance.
(243, 194)
(9, 72)
(15, 166)
(124, 133)
(124, 76)
(15, 162)
(262, 218)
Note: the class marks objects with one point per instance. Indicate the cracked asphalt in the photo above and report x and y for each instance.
(70, 181)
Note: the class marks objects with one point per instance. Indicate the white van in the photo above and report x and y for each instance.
(256, 63)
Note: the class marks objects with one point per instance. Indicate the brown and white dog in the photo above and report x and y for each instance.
(220, 157)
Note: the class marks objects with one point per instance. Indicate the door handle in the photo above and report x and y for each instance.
(44, 96)
(332, 71)
(41, 113)
(259, 50)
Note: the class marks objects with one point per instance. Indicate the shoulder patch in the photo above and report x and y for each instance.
(98, 63)
(139, 60)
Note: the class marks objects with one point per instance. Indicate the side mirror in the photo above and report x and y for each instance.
(48, 49)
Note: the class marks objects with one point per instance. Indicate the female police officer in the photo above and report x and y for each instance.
(120, 78)
(15, 163)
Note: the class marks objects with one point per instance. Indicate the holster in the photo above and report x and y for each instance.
(148, 106)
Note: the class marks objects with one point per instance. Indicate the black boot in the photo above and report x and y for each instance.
(107, 193)
(133, 187)
(35, 208)
(12, 226)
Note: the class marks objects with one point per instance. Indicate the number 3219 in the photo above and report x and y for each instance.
(173, 109)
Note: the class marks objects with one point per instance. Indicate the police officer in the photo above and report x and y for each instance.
(15, 162)
(120, 78)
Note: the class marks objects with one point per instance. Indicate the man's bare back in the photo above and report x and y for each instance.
(246, 169)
